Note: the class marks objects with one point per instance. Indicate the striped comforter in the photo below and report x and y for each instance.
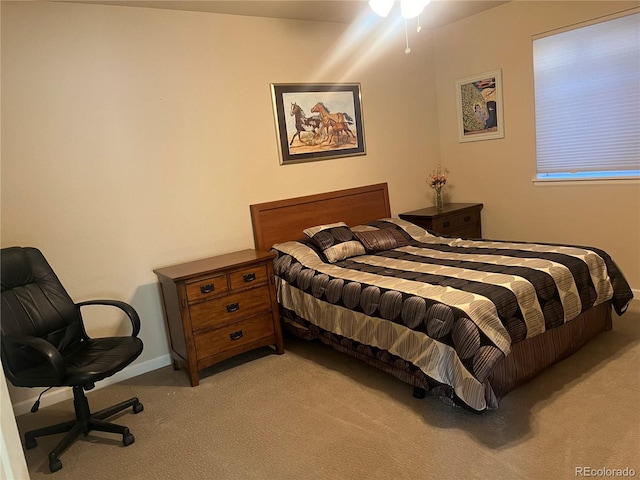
(448, 306)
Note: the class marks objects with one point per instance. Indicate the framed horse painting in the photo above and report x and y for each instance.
(318, 121)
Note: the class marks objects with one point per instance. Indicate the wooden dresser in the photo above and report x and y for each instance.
(455, 219)
(218, 307)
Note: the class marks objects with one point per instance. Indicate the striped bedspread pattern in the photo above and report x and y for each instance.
(449, 306)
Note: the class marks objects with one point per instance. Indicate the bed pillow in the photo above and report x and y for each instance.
(313, 246)
(382, 239)
(336, 241)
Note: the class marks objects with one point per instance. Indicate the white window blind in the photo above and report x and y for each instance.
(587, 101)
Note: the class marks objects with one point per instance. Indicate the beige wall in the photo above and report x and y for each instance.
(499, 172)
(134, 138)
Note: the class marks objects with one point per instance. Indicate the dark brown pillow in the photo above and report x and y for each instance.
(383, 239)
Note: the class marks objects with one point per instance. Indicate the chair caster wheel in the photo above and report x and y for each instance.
(128, 439)
(55, 465)
(30, 443)
(138, 407)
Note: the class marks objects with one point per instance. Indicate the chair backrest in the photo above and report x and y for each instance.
(34, 303)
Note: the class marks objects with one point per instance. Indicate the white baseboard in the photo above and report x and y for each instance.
(65, 393)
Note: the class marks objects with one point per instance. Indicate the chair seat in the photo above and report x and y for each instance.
(100, 358)
(94, 360)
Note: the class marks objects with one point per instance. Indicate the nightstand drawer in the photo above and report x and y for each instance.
(234, 335)
(445, 224)
(468, 219)
(229, 308)
(468, 232)
(208, 287)
(248, 277)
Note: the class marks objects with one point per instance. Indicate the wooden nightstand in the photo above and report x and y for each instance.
(455, 219)
(219, 307)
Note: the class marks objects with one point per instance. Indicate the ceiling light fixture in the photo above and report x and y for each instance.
(381, 7)
(412, 8)
(408, 8)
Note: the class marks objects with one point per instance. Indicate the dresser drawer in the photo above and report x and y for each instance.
(234, 335)
(248, 276)
(230, 308)
(208, 287)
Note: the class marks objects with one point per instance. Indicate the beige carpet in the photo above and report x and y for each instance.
(314, 413)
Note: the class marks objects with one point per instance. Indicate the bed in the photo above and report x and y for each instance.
(464, 320)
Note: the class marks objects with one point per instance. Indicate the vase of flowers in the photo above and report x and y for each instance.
(437, 180)
(439, 199)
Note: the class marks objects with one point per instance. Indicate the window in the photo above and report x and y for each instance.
(587, 101)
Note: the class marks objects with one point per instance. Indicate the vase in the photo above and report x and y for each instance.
(439, 204)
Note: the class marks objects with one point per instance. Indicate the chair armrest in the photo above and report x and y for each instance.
(41, 346)
(125, 307)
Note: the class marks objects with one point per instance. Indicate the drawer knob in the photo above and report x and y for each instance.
(233, 307)
(467, 218)
(236, 335)
(249, 277)
(445, 224)
(208, 288)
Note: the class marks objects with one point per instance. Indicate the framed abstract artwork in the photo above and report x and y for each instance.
(480, 108)
(318, 121)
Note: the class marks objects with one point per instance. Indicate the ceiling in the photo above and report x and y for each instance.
(436, 13)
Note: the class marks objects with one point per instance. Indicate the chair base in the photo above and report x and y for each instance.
(85, 422)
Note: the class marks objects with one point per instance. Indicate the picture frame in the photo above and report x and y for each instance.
(318, 121)
(480, 107)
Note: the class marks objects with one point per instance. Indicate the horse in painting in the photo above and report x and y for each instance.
(328, 117)
(304, 123)
(337, 129)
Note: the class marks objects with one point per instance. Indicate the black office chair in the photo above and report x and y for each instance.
(44, 344)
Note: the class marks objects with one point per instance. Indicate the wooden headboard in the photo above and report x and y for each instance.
(284, 220)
